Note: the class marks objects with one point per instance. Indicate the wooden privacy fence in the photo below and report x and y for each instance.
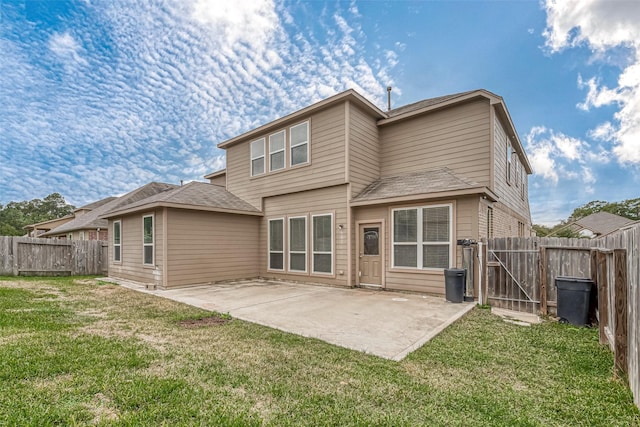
(25, 256)
(519, 274)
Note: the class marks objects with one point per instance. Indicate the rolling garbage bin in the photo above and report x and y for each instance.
(454, 279)
(574, 294)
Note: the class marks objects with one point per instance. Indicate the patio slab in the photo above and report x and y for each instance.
(383, 323)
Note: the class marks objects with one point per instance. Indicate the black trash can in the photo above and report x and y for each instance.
(574, 294)
(454, 279)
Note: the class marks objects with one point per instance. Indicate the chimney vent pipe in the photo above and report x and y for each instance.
(388, 98)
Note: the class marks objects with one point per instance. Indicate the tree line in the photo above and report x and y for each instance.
(14, 216)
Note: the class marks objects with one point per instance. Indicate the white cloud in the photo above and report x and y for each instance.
(602, 26)
(68, 50)
(555, 155)
(161, 84)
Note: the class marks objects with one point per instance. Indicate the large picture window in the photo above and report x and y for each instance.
(299, 136)
(117, 241)
(323, 243)
(298, 244)
(276, 244)
(257, 157)
(147, 239)
(276, 151)
(422, 237)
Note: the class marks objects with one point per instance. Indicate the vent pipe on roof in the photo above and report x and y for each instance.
(388, 98)
(181, 182)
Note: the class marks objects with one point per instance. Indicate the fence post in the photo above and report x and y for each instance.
(542, 260)
(16, 257)
(620, 334)
(603, 295)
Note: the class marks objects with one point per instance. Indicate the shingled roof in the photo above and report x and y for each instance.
(93, 219)
(601, 223)
(425, 103)
(419, 183)
(194, 195)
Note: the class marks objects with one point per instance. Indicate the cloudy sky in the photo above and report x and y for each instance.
(100, 97)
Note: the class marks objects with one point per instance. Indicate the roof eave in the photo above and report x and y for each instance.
(164, 204)
(449, 102)
(483, 191)
(514, 133)
(348, 94)
(215, 174)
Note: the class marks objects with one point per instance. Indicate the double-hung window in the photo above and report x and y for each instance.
(299, 139)
(276, 151)
(147, 239)
(276, 244)
(257, 157)
(298, 244)
(422, 237)
(322, 243)
(117, 241)
(509, 154)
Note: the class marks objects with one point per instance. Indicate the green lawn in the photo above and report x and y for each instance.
(74, 352)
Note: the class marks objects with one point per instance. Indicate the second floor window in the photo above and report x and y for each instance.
(299, 136)
(276, 151)
(257, 157)
(509, 153)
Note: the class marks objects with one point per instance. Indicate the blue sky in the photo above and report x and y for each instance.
(100, 97)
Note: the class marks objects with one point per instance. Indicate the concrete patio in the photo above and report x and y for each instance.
(386, 324)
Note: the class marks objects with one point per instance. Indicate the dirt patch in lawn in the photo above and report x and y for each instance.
(203, 322)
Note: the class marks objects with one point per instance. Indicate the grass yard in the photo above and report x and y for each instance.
(76, 352)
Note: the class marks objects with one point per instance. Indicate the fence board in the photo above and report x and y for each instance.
(32, 256)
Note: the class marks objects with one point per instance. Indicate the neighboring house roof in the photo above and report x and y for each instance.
(195, 196)
(428, 184)
(44, 225)
(602, 223)
(400, 113)
(92, 206)
(93, 219)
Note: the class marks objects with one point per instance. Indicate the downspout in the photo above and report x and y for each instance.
(347, 176)
(480, 272)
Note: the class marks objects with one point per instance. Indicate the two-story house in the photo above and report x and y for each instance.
(341, 193)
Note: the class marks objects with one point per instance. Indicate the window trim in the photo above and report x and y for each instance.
(269, 251)
(118, 245)
(332, 252)
(307, 142)
(306, 245)
(419, 243)
(283, 150)
(153, 241)
(252, 157)
(523, 181)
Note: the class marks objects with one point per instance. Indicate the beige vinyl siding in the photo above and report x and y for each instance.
(314, 202)
(326, 167)
(131, 267)
(364, 146)
(206, 247)
(457, 137)
(512, 206)
(220, 180)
